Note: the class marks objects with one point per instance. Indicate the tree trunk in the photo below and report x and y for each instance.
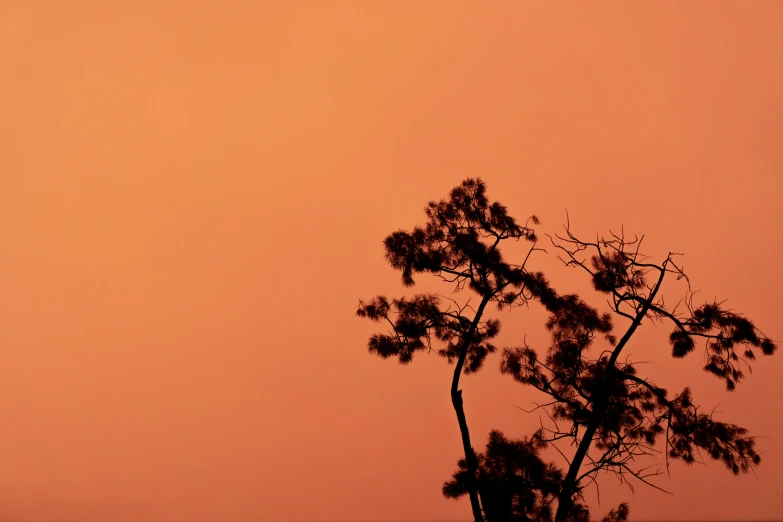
(456, 400)
(470, 456)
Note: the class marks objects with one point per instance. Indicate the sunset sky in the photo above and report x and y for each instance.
(193, 198)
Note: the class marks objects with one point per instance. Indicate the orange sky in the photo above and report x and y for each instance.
(193, 197)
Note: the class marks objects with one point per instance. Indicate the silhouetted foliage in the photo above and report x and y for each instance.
(514, 483)
(599, 402)
(460, 243)
(619, 514)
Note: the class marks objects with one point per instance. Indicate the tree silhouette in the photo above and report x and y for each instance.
(460, 243)
(600, 402)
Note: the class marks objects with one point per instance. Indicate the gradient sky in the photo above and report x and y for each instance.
(193, 197)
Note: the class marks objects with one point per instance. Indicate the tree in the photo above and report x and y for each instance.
(599, 403)
(460, 243)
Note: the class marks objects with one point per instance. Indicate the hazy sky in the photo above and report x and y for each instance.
(193, 197)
